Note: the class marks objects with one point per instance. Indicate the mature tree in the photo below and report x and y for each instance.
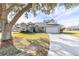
(7, 26)
(18, 10)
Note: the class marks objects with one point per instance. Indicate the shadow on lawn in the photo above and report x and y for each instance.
(18, 47)
(7, 48)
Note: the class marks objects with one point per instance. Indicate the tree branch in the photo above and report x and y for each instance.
(19, 14)
(9, 9)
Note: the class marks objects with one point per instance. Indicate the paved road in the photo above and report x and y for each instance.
(63, 45)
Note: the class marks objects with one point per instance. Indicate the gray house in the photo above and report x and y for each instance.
(49, 26)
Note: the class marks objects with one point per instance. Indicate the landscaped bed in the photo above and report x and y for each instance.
(35, 44)
(74, 33)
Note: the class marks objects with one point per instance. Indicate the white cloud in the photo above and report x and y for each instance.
(68, 12)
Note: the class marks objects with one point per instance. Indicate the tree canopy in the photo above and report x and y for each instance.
(44, 7)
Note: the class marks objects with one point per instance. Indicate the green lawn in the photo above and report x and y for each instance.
(74, 33)
(31, 35)
(26, 43)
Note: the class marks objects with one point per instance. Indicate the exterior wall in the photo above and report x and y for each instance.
(23, 27)
(36, 29)
(30, 29)
(40, 28)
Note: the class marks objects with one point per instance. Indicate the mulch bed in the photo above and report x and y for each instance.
(7, 43)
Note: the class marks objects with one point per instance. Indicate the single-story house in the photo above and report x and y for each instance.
(45, 27)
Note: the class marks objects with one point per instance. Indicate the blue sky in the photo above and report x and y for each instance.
(66, 17)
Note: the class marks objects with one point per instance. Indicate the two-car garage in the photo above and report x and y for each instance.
(55, 28)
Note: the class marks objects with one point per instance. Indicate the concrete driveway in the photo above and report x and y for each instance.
(63, 45)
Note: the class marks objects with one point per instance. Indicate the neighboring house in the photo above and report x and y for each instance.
(49, 26)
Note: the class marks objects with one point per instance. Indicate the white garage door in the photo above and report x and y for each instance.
(52, 30)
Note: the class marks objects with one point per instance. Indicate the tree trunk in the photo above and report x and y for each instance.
(6, 35)
(6, 38)
(6, 31)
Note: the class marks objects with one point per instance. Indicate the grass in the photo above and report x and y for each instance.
(74, 33)
(9, 51)
(31, 35)
(35, 44)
